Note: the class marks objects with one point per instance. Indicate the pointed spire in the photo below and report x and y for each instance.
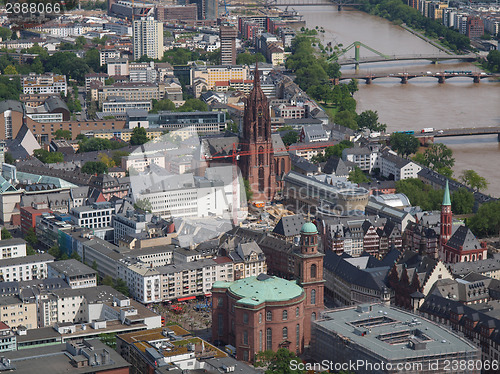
(256, 77)
(446, 197)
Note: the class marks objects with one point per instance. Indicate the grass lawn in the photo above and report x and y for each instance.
(330, 109)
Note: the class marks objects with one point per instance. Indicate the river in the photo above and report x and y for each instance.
(423, 102)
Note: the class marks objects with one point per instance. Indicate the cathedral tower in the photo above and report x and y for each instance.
(257, 162)
(446, 217)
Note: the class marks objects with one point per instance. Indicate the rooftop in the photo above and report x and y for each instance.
(262, 288)
(72, 268)
(373, 327)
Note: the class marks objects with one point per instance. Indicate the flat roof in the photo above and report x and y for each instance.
(11, 242)
(71, 268)
(42, 257)
(382, 321)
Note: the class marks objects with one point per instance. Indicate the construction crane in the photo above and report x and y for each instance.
(226, 13)
(235, 155)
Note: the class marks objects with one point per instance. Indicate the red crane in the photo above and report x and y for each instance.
(235, 156)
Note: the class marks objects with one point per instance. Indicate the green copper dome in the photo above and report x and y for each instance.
(309, 228)
(263, 288)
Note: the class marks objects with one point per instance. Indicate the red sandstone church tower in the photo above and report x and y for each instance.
(258, 166)
(310, 276)
(446, 217)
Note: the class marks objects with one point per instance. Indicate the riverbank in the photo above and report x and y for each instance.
(424, 38)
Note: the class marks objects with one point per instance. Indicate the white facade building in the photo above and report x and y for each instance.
(25, 268)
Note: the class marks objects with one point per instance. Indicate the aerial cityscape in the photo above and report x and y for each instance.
(250, 186)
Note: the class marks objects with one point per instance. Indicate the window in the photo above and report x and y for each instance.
(285, 315)
(245, 318)
(297, 312)
(221, 324)
(269, 316)
(297, 335)
(260, 317)
(220, 302)
(313, 271)
(260, 341)
(245, 337)
(313, 317)
(313, 297)
(269, 339)
(285, 332)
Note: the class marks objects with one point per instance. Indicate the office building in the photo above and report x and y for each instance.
(148, 38)
(228, 35)
(376, 335)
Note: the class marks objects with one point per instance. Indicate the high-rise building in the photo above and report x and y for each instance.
(207, 9)
(228, 35)
(148, 38)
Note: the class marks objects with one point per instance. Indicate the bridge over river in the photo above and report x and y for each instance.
(405, 77)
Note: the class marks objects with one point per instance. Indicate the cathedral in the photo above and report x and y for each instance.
(262, 156)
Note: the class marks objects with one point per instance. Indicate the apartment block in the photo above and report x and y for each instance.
(97, 215)
(148, 38)
(25, 268)
(12, 248)
(73, 272)
(48, 83)
(131, 91)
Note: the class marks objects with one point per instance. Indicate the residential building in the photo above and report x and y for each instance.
(141, 161)
(107, 54)
(397, 168)
(12, 248)
(366, 333)
(92, 77)
(248, 260)
(73, 272)
(148, 38)
(17, 310)
(25, 268)
(120, 105)
(130, 91)
(228, 35)
(475, 27)
(142, 72)
(8, 338)
(48, 83)
(209, 75)
(363, 157)
(129, 223)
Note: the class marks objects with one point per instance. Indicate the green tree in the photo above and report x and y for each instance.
(94, 167)
(92, 59)
(291, 137)
(232, 127)
(139, 136)
(55, 251)
(247, 58)
(404, 144)
(108, 281)
(487, 220)
(62, 134)
(248, 189)
(192, 105)
(281, 362)
(420, 194)
(347, 119)
(353, 86)
(117, 157)
(462, 201)
(9, 159)
(30, 236)
(6, 234)
(473, 180)
(5, 33)
(357, 176)
(121, 286)
(94, 265)
(143, 204)
(335, 151)
(76, 256)
(439, 157)
(369, 120)
(29, 250)
(493, 61)
(161, 105)
(48, 157)
(10, 70)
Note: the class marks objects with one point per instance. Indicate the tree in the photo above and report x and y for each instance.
(9, 159)
(248, 189)
(281, 362)
(76, 256)
(420, 194)
(232, 127)
(335, 151)
(160, 105)
(473, 180)
(94, 265)
(55, 251)
(6, 234)
(5, 33)
(357, 176)
(94, 167)
(122, 287)
(10, 70)
(29, 250)
(139, 136)
(63, 134)
(108, 281)
(247, 58)
(117, 157)
(439, 157)
(30, 236)
(291, 137)
(347, 119)
(143, 204)
(462, 201)
(104, 158)
(487, 220)
(48, 157)
(353, 86)
(404, 144)
(369, 120)
(193, 105)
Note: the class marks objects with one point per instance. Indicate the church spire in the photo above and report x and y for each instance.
(256, 76)
(446, 197)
